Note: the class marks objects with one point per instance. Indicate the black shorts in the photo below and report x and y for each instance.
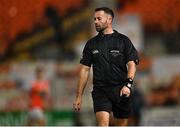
(107, 98)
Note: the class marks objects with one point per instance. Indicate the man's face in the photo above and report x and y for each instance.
(40, 75)
(101, 20)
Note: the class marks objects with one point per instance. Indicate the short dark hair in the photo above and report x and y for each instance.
(39, 69)
(106, 10)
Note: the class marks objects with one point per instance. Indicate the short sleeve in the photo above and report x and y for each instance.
(131, 53)
(86, 55)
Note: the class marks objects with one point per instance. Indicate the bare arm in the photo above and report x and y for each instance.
(83, 78)
(131, 73)
(131, 69)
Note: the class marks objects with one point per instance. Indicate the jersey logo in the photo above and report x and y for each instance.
(114, 51)
(95, 51)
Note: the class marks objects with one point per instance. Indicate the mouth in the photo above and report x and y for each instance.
(97, 25)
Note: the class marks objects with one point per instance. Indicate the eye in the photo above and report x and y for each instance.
(99, 18)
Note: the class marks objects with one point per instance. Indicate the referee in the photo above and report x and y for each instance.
(114, 61)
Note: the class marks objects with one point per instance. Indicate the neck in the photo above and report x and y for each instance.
(108, 30)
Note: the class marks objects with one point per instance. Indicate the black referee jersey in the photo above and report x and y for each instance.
(109, 54)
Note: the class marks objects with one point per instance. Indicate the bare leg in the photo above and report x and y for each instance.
(121, 122)
(118, 122)
(102, 118)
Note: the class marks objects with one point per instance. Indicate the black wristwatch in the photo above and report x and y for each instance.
(129, 83)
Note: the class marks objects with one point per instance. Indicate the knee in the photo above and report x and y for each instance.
(102, 118)
(103, 124)
(122, 122)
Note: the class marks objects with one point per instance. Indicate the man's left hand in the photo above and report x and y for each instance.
(125, 91)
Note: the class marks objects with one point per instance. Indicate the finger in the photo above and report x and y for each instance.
(74, 107)
(77, 107)
(121, 93)
(126, 94)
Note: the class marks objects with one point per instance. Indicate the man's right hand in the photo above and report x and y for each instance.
(77, 104)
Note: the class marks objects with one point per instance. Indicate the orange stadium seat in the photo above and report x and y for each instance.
(163, 13)
(17, 16)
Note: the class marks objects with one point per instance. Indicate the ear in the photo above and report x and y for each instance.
(109, 19)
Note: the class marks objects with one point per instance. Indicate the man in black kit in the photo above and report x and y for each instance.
(114, 61)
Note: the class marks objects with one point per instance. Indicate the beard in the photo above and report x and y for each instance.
(101, 28)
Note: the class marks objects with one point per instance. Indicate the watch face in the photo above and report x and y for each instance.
(130, 80)
(129, 85)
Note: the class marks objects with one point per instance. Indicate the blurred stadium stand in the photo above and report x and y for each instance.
(52, 33)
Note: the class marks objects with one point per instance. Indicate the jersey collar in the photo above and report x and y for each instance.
(107, 35)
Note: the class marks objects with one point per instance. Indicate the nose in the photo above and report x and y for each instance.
(96, 22)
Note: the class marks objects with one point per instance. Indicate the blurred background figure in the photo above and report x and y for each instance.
(53, 33)
(39, 98)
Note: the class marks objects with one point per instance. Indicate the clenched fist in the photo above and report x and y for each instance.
(125, 91)
(77, 104)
